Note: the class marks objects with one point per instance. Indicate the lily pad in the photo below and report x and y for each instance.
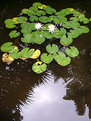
(26, 53)
(14, 34)
(43, 19)
(61, 59)
(65, 41)
(33, 18)
(15, 54)
(40, 13)
(39, 67)
(10, 23)
(84, 29)
(28, 38)
(38, 38)
(22, 19)
(47, 34)
(52, 48)
(49, 10)
(72, 52)
(7, 47)
(24, 11)
(46, 58)
(36, 54)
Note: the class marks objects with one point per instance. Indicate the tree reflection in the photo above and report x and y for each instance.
(16, 88)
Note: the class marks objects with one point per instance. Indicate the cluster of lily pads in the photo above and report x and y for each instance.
(38, 24)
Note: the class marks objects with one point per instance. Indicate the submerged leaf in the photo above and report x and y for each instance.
(14, 34)
(46, 58)
(61, 59)
(39, 67)
(7, 47)
(72, 52)
(52, 48)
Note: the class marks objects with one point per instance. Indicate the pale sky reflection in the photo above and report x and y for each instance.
(48, 104)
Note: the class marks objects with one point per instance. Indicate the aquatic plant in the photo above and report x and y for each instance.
(41, 23)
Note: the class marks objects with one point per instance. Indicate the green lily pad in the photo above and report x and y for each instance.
(65, 41)
(72, 52)
(47, 34)
(36, 4)
(40, 13)
(46, 58)
(52, 48)
(7, 47)
(24, 11)
(22, 19)
(38, 38)
(73, 33)
(28, 38)
(10, 23)
(57, 33)
(15, 54)
(26, 53)
(61, 59)
(43, 19)
(33, 18)
(84, 29)
(39, 67)
(49, 10)
(14, 34)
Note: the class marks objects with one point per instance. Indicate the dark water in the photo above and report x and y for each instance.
(60, 93)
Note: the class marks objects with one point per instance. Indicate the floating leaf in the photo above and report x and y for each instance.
(49, 10)
(52, 48)
(22, 19)
(7, 58)
(84, 29)
(15, 54)
(46, 58)
(72, 52)
(7, 47)
(61, 59)
(38, 38)
(36, 54)
(43, 19)
(28, 38)
(37, 4)
(10, 23)
(26, 53)
(57, 33)
(73, 33)
(24, 11)
(33, 18)
(14, 34)
(39, 67)
(65, 41)
(40, 12)
(47, 34)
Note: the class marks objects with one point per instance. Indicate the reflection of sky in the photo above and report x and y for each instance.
(48, 104)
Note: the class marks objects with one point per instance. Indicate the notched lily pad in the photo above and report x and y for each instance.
(10, 23)
(26, 53)
(46, 58)
(14, 34)
(65, 41)
(52, 48)
(61, 59)
(24, 11)
(33, 18)
(36, 54)
(39, 67)
(22, 19)
(7, 47)
(72, 51)
(15, 54)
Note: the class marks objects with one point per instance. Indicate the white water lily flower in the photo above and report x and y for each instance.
(38, 26)
(51, 28)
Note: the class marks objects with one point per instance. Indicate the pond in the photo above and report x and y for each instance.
(58, 94)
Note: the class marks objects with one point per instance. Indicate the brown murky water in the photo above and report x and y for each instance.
(60, 93)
